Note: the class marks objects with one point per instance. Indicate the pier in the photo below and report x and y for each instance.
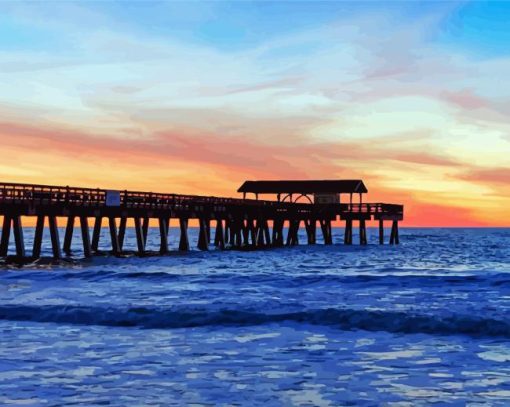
(224, 223)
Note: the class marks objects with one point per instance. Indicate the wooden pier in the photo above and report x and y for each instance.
(237, 223)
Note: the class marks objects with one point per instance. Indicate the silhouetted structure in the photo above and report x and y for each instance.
(239, 223)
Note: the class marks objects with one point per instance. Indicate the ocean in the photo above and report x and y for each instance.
(425, 322)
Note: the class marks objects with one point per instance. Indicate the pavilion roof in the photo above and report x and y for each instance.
(304, 187)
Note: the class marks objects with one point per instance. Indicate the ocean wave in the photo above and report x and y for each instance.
(382, 276)
(345, 319)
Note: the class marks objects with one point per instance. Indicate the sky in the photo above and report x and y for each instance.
(196, 97)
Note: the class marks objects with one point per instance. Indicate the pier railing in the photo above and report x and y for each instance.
(79, 197)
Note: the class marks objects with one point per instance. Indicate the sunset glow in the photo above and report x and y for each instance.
(197, 97)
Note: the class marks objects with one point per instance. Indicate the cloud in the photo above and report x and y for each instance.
(367, 96)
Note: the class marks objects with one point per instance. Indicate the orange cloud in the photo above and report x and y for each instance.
(191, 161)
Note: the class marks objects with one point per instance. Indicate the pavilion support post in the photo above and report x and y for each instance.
(96, 233)
(114, 236)
(219, 236)
(311, 227)
(68, 237)
(348, 232)
(183, 242)
(362, 232)
(163, 233)
(6, 232)
(140, 244)
(55, 240)
(39, 230)
(85, 236)
(122, 231)
(145, 230)
(202, 235)
(18, 236)
(381, 231)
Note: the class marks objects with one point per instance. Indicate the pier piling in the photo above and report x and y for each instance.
(18, 237)
(55, 240)
(140, 242)
(6, 233)
(39, 230)
(183, 242)
(85, 236)
(96, 233)
(68, 237)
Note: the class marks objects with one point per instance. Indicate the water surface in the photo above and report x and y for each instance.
(424, 322)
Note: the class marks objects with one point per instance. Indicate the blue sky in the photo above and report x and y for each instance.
(410, 96)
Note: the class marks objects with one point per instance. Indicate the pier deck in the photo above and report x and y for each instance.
(238, 223)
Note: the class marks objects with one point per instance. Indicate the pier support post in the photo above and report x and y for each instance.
(202, 235)
(219, 237)
(145, 230)
(362, 232)
(246, 232)
(326, 231)
(261, 233)
(39, 230)
(6, 233)
(381, 231)
(292, 234)
(267, 235)
(183, 242)
(236, 238)
(278, 232)
(253, 232)
(394, 233)
(55, 240)
(163, 232)
(85, 236)
(68, 237)
(18, 236)
(114, 236)
(96, 233)
(139, 236)
(310, 226)
(348, 232)
(208, 229)
(227, 231)
(122, 231)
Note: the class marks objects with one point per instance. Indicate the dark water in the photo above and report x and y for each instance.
(425, 322)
